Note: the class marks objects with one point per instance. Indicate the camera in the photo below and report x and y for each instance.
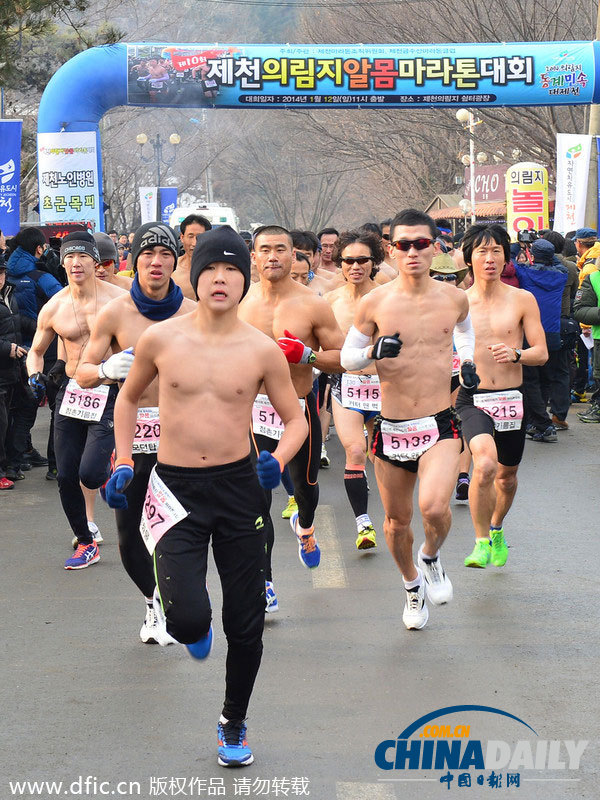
(526, 236)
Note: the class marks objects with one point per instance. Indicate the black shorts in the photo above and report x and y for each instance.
(448, 426)
(509, 444)
(454, 383)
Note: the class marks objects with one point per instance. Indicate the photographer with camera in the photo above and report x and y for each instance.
(11, 359)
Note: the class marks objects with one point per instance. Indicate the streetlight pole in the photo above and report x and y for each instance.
(467, 118)
(157, 148)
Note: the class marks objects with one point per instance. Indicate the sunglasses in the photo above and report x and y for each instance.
(406, 244)
(440, 277)
(358, 260)
(385, 236)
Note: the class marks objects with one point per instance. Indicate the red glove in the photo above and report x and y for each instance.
(295, 350)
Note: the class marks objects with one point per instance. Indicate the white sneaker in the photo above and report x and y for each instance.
(163, 638)
(439, 587)
(416, 613)
(149, 633)
(94, 530)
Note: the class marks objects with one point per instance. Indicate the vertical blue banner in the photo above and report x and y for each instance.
(167, 201)
(10, 175)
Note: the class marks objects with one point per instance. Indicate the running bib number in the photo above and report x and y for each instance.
(361, 391)
(162, 510)
(407, 441)
(85, 404)
(505, 408)
(265, 420)
(455, 364)
(147, 431)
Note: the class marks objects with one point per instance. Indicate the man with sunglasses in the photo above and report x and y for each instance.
(407, 327)
(492, 417)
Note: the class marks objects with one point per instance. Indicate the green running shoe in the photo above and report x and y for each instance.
(499, 548)
(480, 555)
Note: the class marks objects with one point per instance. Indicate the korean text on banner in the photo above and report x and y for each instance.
(168, 201)
(10, 175)
(572, 168)
(526, 198)
(148, 201)
(360, 75)
(68, 177)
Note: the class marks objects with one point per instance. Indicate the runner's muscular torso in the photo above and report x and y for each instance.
(205, 405)
(295, 311)
(122, 324)
(417, 382)
(497, 318)
(72, 318)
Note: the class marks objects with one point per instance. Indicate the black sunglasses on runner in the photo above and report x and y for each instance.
(448, 277)
(385, 236)
(358, 260)
(406, 244)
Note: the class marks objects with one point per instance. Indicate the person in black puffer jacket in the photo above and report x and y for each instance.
(11, 354)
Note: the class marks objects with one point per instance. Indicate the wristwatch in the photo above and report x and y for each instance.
(517, 355)
(312, 358)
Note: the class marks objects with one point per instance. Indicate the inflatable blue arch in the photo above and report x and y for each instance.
(309, 76)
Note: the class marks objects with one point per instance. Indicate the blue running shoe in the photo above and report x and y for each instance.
(271, 604)
(201, 649)
(234, 750)
(308, 549)
(84, 556)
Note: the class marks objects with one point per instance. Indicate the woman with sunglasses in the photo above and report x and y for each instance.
(412, 321)
(356, 396)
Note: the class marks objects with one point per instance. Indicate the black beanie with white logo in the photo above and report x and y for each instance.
(153, 234)
(220, 245)
(79, 242)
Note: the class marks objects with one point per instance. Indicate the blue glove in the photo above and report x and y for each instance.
(37, 384)
(268, 470)
(119, 481)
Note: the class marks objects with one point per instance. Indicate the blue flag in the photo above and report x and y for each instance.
(10, 175)
(168, 201)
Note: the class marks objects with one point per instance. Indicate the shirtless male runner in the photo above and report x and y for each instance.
(492, 416)
(153, 297)
(108, 268)
(210, 366)
(189, 229)
(412, 320)
(304, 327)
(356, 397)
(83, 425)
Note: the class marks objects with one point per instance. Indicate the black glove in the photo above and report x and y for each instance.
(37, 383)
(468, 375)
(387, 347)
(57, 373)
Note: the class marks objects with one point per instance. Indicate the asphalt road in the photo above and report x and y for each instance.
(83, 698)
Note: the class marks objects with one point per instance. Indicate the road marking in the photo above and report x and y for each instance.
(359, 791)
(331, 573)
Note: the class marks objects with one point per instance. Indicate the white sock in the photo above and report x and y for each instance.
(363, 522)
(429, 558)
(416, 582)
(222, 720)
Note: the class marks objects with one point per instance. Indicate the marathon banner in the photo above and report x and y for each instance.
(573, 152)
(10, 175)
(167, 201)
(526, 198)
(390, 75)
(68, 178)
(148, 203)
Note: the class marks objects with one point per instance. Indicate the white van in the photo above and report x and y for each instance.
(215, 213)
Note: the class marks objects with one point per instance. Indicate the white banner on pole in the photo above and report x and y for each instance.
(572, 169)
(148, 203)
(68, 178)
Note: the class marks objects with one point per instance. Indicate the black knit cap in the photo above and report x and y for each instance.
(79, 242)
(221, 244)
(153, 234)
